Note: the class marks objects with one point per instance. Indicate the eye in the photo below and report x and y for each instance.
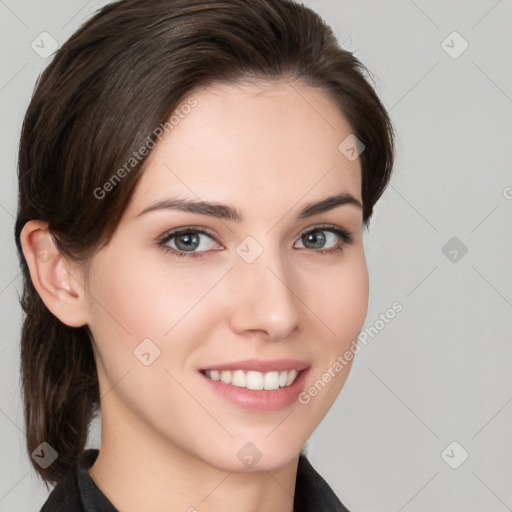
(194, 242)
(334, 237)
(187, 242)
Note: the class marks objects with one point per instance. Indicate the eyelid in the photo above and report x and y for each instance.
(186, 229)
(211, 233)
(344, 234)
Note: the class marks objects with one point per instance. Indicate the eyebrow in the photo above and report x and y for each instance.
(223, 211)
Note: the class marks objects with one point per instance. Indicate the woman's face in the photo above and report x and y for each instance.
(269, 286)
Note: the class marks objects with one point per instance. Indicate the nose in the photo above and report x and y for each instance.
(263, 298)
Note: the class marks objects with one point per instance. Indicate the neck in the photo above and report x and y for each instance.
(144, 472)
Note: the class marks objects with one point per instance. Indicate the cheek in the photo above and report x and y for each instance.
(145, 298)
(124, 310)
(135, 300)
(339, 296)
(340, 299)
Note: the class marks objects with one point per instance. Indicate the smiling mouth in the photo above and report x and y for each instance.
(254, 380)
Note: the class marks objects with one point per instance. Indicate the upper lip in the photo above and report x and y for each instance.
(261, 365)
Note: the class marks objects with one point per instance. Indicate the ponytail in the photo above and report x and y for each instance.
(60, 387)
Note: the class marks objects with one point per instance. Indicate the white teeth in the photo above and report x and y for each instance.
(271, 380)
(239, 379)
(254, 380)
(291, 377)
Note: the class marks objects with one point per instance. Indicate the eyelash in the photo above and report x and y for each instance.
(345, 236)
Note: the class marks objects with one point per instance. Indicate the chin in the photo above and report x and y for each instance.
(247, 457)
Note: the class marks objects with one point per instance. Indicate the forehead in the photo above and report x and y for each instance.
(252, 144)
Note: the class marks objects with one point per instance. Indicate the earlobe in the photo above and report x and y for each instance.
(53, 276)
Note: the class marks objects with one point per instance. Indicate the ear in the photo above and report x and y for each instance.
(57, 281)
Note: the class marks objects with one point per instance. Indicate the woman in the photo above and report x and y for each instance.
(194, 180)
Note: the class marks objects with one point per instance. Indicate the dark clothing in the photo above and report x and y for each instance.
(78, 492)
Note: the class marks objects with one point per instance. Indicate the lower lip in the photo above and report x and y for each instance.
(260, 400)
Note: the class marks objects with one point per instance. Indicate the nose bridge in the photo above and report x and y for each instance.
(263, 297)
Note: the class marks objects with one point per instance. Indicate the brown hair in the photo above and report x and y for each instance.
(107, 89)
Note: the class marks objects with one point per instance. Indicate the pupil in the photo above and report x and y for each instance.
(190, 241)
(317, 239)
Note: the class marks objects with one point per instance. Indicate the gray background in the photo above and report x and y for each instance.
(440, 370)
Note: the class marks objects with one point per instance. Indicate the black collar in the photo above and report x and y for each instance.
(78, 492)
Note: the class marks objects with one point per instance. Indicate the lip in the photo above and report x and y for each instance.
(259, 400)
(261, 365)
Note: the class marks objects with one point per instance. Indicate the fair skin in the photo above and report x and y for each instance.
(168, 441)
